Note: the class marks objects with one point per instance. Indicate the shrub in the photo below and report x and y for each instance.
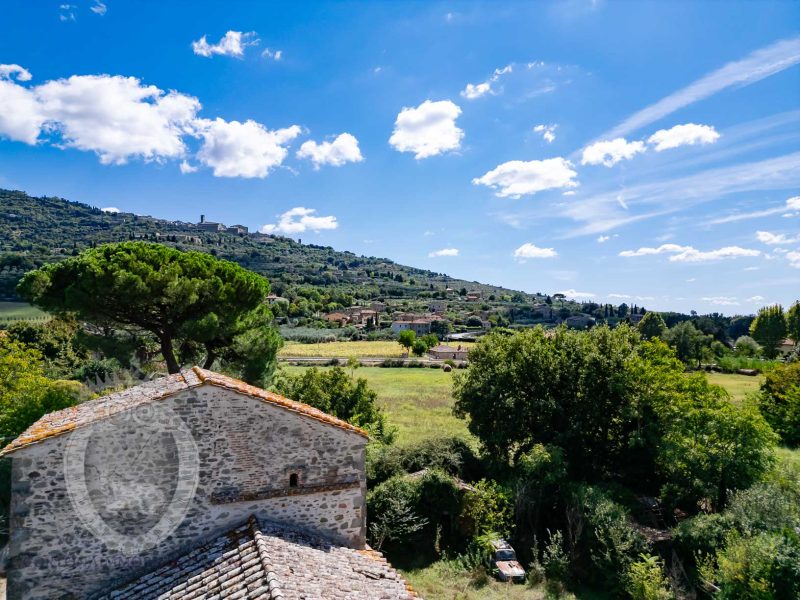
(608, 540)
(763, 566)
(392, 507)
(645, 579)
(779, 402)
(487, 509)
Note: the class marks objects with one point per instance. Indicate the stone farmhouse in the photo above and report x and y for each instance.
(192, 486)
(444, 352)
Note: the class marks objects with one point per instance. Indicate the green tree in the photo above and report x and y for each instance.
(406, 339)
(652, 326)
(646, 580)
(779, 402)
(710, 446)
(793, 322)
(689, 343)
(584, 392)
(182, 298)
(335, 392)
(419, 348)
(769, 329)
(746, 346)
(25, 393)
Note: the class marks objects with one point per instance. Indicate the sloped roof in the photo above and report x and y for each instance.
(83, 414)
(265, 561)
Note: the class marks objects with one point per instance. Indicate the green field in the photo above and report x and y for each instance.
(738, 386)
(418, 401)
(377, 349)
(13, 312)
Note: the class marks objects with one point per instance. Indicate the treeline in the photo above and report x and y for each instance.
(606, 465)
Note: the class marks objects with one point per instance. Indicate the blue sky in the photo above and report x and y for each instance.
(616, 151)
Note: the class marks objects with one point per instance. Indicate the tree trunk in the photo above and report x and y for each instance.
(169, 354)
(210, 358)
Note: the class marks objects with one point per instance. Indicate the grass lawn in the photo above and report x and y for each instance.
(738, 386)
(444, 581)
(346, 349)
(12, 312)
(418, 401)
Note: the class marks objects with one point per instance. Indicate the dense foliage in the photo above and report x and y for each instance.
(337, 393)
(769, 329)
(779, 402)
(192, 303)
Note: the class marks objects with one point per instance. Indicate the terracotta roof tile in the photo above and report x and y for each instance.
(62, 421)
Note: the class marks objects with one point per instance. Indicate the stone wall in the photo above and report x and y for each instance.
(247, 452)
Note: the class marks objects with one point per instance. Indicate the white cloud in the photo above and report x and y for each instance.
(571, 293)
(98, 8)
(690, 254)
(444, 252)
(754, 67)
(721, 300)
(755, 299)
(15, 72)
(428, 129)
(110, 209)
(609, 153)
(232, 43)
(234, 149)
(341, 150)
(186, 168)
(21, 117)
(473, 91)
(794, 259)
(775, 239)
(529, 250)
(517, 178)
(65, 12)
(115, 117)
(683, 135)
(792, 204)
(548, 132)
(275, 55)
(298, 220)
(620, 296)
(602, 239)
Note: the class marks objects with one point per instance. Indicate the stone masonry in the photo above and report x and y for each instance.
(257, 455)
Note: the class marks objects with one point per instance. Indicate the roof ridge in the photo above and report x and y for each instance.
(273, 587)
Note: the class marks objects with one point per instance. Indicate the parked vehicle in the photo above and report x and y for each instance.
(505, 565)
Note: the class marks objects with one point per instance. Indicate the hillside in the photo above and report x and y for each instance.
(34, 231)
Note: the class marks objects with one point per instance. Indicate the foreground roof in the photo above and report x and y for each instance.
(86, 413)
(264, 561)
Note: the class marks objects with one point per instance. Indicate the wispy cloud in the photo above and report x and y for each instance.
(690, 254)
(232, 43)
(602, 212)
(791, 207)
(476, 90)
(754, 67)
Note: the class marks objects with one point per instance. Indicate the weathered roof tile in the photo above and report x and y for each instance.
(280, 563)
(63, 421)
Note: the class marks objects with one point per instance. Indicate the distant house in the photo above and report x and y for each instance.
(438, 306)
(634, 319)
(273, 298)
(337, 317)
(443, 352)
(209, 225)
(418, 326)
(579, 321)
(237, 229)
(473, 296)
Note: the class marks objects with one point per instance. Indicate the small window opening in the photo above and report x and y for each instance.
(293, 480)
